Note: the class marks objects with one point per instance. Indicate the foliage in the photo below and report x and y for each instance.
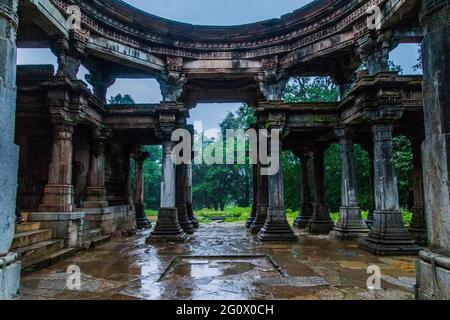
(119, 99)
(320, 89)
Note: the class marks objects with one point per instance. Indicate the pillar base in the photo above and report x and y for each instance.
(192, 217)
(95, 198)
(276, 230)
(167, 227)
(433, 276)
(9, 277)
(260, 219)
(306, 213)
(57, 198)
(349, 226)
(388, 236)
(321, 222)
(142, 221)
(183, 219)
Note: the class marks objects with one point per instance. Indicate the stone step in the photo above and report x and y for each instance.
(27, 227)
(39, 249)
(25, 239)
(91, 233)
(32, 265)
(96, 241)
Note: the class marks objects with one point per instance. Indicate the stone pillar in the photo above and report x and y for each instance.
(433, 268)
(252, 217)
(96, 196)
(369, 221)
(388, 235)
(189, 202)
(350, 225)
(9, 152)
(306, 205)
(141, 219)
(262, 199)
(181, 199)
(320, 222)
(418, 227)
(168, 227)
(59, 191)
(276, 227)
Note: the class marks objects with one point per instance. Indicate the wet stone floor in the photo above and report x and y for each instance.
(223, 262)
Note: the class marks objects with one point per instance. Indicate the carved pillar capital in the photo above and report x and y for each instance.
(139, 155)
(373, 49)
(69, 53)
(100, 82)
(272, 84)
(172, 85)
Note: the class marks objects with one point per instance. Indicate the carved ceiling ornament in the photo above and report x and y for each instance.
(338, 20)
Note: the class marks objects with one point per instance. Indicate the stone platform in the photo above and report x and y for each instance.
(221, 261)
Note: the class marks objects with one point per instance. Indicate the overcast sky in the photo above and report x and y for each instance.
(206, 12)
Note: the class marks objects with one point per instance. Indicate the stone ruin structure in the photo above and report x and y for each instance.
(66, 153)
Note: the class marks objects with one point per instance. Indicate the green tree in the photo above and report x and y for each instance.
(119, 99)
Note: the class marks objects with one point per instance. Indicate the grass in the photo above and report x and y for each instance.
(234, 214)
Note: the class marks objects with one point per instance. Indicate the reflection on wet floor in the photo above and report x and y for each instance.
(223, 261)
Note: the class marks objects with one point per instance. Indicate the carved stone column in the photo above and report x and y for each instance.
(418, 227)
(350, 225)
(262, 200)
(9, 152)
(168, 227)
(59, 192)
(141, 219)
(433, 268)
(306, 205)
(252, 217)
(388, 235)
(181, 199)
(276, 227)
(96, 196)
(100, 81)
(320, 222)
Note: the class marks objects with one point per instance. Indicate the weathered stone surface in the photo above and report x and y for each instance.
(433, 277)
(9, 277)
